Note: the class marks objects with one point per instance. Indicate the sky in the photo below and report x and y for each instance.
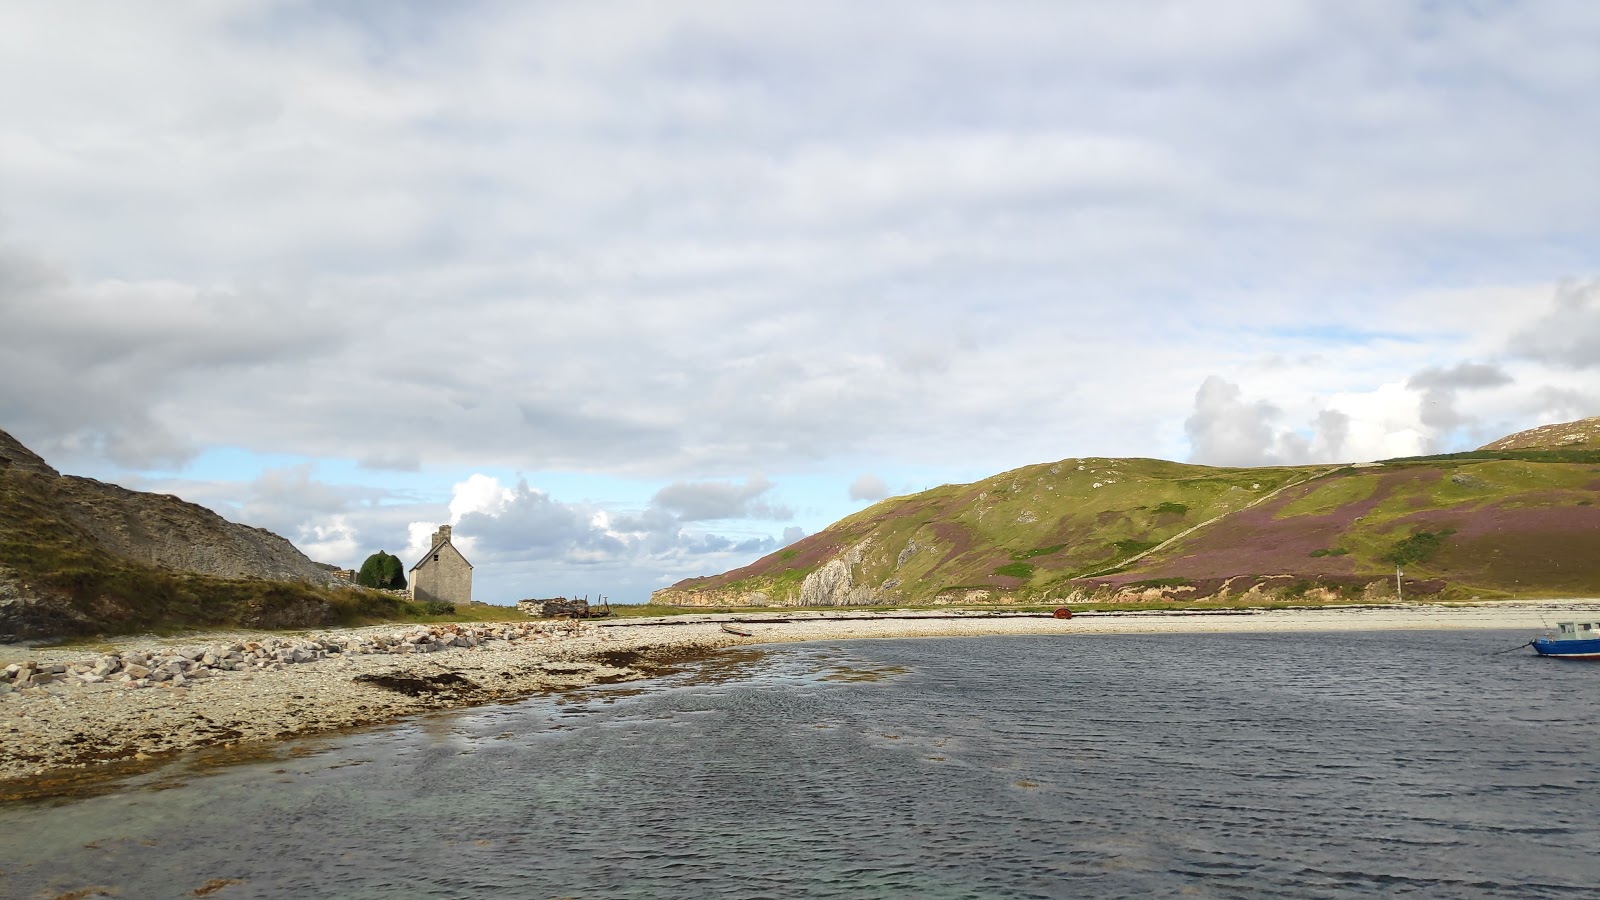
(633, 292)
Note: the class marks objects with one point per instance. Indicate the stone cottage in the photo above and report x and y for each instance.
(442, 573)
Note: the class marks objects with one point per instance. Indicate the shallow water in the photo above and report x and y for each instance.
(1377, 764)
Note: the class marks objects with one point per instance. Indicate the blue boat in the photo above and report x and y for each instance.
(1572, 640)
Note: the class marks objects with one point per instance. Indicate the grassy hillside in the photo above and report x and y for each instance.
(1488, 523)
(1502, 526)
(1027, 531)
(56, 579)
(1584, 434)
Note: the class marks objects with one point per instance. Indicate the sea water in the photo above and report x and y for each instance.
(1282, 765)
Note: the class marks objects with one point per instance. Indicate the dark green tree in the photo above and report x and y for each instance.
(382, 571)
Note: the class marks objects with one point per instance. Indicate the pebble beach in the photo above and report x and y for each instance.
(83, 712)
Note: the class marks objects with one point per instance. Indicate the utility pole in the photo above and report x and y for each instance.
(1397, 595)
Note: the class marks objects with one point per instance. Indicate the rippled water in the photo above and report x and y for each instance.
(1380, 764)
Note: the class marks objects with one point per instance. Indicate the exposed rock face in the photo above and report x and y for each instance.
(1584, 434)
(159, 529)
(834, 584)
(17, 458)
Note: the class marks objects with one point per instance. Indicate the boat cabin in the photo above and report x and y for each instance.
(1577, 631)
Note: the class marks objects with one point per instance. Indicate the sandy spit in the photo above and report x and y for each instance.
(63, 732)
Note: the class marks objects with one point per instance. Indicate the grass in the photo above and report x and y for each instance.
(87, 590)
(1330, 494)
(1132, 547)
(1419, 547)
(1538, 456)
(476, 613)
(1049, 526)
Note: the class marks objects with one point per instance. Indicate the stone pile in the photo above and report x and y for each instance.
(141, 668)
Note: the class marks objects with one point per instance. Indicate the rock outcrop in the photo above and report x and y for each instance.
(158, 530)
(76, 553)
(16, 458)
(161, 530)
(1584, 434)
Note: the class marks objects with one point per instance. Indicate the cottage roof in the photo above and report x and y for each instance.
(435, 549)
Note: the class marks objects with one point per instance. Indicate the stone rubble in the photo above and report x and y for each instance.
(143, 668)
(67, 714)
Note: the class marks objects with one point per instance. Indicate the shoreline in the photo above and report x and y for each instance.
(76, 730)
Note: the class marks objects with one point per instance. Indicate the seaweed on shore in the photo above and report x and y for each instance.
(413, 686)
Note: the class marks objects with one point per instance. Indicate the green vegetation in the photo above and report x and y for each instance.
(1160, 582)
(1419, 547)
(90, 591)
(1037, 551)
(782, 586)
(382, 571)
(1066, 527)
(1539, 456)
(1328, 494)
(1132, 547)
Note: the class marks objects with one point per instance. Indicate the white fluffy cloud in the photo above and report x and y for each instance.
(704, 500)
(686, 243)
(505, 529)
(868, 487)
(679, 243)
(1569, 334)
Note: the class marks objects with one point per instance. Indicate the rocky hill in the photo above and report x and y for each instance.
(1583, 434)
(1501, 522)
(81, 556)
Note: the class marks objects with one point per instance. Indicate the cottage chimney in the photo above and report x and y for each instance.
(443, 537)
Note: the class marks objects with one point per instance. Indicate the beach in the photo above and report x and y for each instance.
(89, 719)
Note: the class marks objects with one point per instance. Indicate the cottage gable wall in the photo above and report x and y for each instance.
(442, 573)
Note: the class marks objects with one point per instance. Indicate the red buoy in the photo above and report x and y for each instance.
(1063, 613)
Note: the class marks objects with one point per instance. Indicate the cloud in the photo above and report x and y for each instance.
(1554, 404)
(1227, 430)
(694, 245)
(705, 500)
(329, 522)
(748, 238)
(528, 523)
(1440, 388)
(390, 462)
(505, 528)
(1569, 334)
(868, 487)
(103, 359)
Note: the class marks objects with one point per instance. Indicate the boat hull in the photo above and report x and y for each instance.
(1584, 649)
